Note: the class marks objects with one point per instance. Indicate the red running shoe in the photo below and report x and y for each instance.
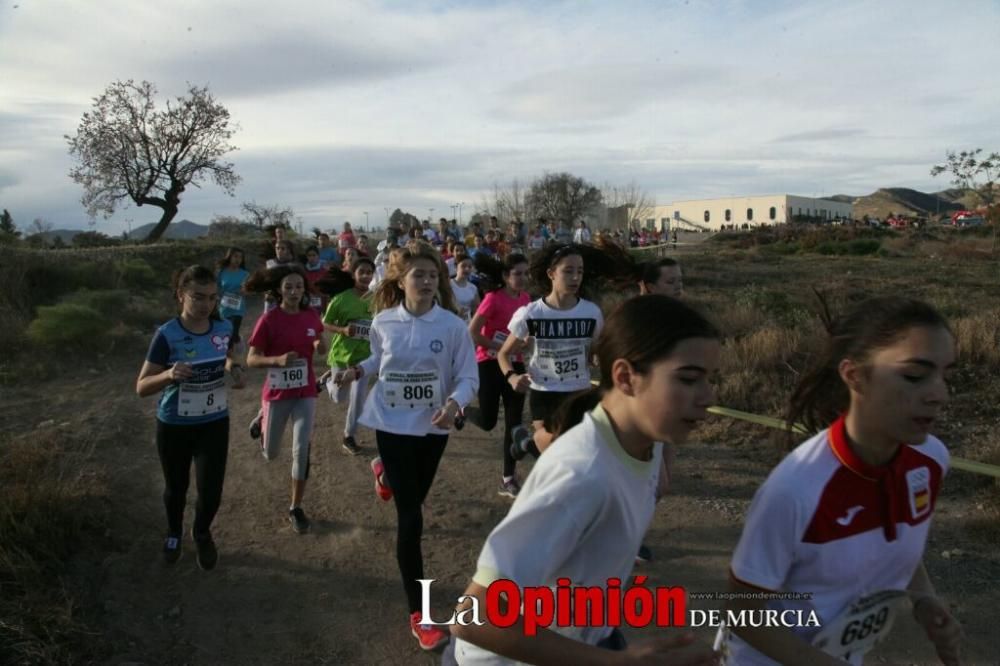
(382, 489)
(430, 636)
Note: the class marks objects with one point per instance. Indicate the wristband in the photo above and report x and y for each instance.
(507, 375)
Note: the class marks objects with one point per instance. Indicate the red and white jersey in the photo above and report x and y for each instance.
(828, 524)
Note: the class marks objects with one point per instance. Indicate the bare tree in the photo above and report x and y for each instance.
(562, 197)
(128, 150)
(272, 215)
(628, 205)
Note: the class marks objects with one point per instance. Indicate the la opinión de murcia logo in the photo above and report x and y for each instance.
(567, 605)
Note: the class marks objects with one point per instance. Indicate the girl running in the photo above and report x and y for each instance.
(556, 332)
(662, 276)
(844, 517)
(349, 318)
(426, 368)
(489, 330)
(588, 501)
(232, 274)
(187, 360)
(466, 294)
(315, 271)
(283, 341)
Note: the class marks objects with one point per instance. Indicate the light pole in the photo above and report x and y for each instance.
(430, 215)
(386, 217)
(460, 204)
(366, 221)
(454, 207)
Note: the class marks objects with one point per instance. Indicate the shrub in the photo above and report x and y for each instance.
(136, 272)
(108, 302)
(863, 246)
(68, 324)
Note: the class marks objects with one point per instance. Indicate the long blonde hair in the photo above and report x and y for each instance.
(389, 294)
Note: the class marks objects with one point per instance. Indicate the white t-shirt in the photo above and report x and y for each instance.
(581, 235)
(816, 526)
(421, 362)
(559, 359)
(464, 297)
(581, 514)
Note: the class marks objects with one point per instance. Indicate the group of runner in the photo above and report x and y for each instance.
(843, 518)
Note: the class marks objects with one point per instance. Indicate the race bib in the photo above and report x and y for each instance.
(315, 301)
(360, 328)
(411, 390)
(863, 625)
(562, 364)
(195, 400)
(232, 301)
(294, 376)
(498, 337)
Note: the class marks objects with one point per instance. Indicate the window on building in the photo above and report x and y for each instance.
(651, 223)
(664, 223)
(773, 213)
(749, 214)
(708, 216)
(729, 215)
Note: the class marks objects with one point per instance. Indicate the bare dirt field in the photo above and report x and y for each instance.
(333, 596)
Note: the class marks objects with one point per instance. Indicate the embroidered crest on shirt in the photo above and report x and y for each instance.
(918, 481)
(221, 342)
(437, 346)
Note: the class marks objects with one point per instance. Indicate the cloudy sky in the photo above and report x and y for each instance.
(346, 107)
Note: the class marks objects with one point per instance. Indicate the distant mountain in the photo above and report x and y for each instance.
(177, 230)
(902, 201)
(841, 198)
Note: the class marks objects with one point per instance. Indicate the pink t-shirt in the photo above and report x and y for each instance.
(277, 333)
(497, 308)
(346, 239)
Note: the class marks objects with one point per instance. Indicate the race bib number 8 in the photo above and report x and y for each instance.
(294, 376)
(861, 627)
(201, 399)
(411, 390)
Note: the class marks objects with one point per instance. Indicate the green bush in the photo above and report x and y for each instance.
(68, 324)
(108, 302)
(863, 246)
(830, 247)
(136, 272)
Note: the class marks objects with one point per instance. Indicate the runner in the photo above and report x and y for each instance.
(844, 517)
(557, 331)
(187, 360)
(283, 341)
(232, 274)
(489, 329)
(349, 318)
(466, 294)
(315, 271)
(426, 368)
(588, 501)
(662, 276)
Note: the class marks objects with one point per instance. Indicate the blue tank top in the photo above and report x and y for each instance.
(203, 397)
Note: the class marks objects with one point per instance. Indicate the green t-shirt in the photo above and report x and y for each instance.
(349, 308)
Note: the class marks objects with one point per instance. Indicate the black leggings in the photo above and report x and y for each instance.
(207, 444)
(410, 465)
(492, 389)
(237, 321)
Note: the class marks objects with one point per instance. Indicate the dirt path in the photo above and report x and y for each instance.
(333, 596)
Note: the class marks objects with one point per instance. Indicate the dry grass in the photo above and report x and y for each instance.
(49, 503)
(979, 338)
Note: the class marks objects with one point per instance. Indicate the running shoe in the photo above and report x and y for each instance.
(208, 556)
(430, 637)
(509, 488)
(382, 489)
(297, 517)
(520, 436)
(255, 426)
(171, 549)
(351, 446)
(644, 554)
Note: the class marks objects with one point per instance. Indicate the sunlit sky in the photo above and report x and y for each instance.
(347, 107)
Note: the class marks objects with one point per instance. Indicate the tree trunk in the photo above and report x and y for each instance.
(168, 215)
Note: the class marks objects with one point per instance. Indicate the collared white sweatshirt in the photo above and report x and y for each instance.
(421, 362)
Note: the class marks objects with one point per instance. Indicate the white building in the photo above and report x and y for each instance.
(716, 214)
